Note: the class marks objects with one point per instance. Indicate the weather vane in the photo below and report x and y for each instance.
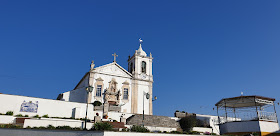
(140, 41)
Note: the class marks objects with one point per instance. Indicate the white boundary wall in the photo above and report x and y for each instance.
(33, 132)
(5, 119)
(249, 126)
(202, 129)
(268, 126)
(108, 133)
(44, 122)
(54, 108)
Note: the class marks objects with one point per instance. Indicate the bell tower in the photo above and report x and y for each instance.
(140, 66)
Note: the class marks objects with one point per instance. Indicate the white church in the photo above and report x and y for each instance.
(126, 91)
(122, 95)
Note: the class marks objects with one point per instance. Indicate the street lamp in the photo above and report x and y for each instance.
(89, 89)
(147, 97)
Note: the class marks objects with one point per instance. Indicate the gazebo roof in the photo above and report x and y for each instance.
(245, 101)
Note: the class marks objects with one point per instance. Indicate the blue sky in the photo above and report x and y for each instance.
(203, 50)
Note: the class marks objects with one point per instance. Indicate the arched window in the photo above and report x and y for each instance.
(143, 67)
(125, 93)
(131, 67)
(98, 90)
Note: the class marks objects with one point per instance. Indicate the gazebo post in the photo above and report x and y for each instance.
(256, 108)
(225, 109)
(234, 114)
(275, 112)
(218, 114)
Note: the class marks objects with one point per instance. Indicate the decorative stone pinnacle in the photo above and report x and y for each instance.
(92, 65)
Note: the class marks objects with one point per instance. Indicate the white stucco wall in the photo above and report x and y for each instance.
(120, 81)
(143, 87)
(5, 119)
(249, 126)
(202, 129)
(108, 133)
(212, 120)
(54, 108)
(78, 95)
(269, 126)
(245, 126)
(117, 115)
(44, 122)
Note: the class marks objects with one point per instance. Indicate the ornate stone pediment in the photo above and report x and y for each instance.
(126, 83)
(112, 94)
(113, 69)
(99, 79)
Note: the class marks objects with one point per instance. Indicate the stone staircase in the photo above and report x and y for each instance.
(151, 120)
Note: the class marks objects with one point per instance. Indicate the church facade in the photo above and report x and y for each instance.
(129, 90)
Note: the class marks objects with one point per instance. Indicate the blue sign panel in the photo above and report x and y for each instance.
(29, 106)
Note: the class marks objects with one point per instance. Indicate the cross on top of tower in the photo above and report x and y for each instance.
(115, 56)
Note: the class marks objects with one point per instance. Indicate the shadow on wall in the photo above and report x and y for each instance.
(78, 95)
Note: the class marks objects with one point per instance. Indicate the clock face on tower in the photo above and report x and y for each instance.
(143, 76)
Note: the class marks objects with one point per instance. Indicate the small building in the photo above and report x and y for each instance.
(247, 115)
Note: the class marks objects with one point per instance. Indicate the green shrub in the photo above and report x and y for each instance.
(175, 132)
(26, 116)
(135, 128)
(97, 103)
(102, 126)
(45, 116)
(42, 127)
(36, 116)
(125, 130)
(19, 115)
(63, 127)
(9, 126)
(9, 113)
(28, 127)
(194, 132)
(187, 123)
(183, 112)
(50, 127)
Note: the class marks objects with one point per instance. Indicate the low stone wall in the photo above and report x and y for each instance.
(153, 121)
(156, 129)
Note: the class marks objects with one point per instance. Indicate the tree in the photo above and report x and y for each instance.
(97, 103)
(187, 123)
